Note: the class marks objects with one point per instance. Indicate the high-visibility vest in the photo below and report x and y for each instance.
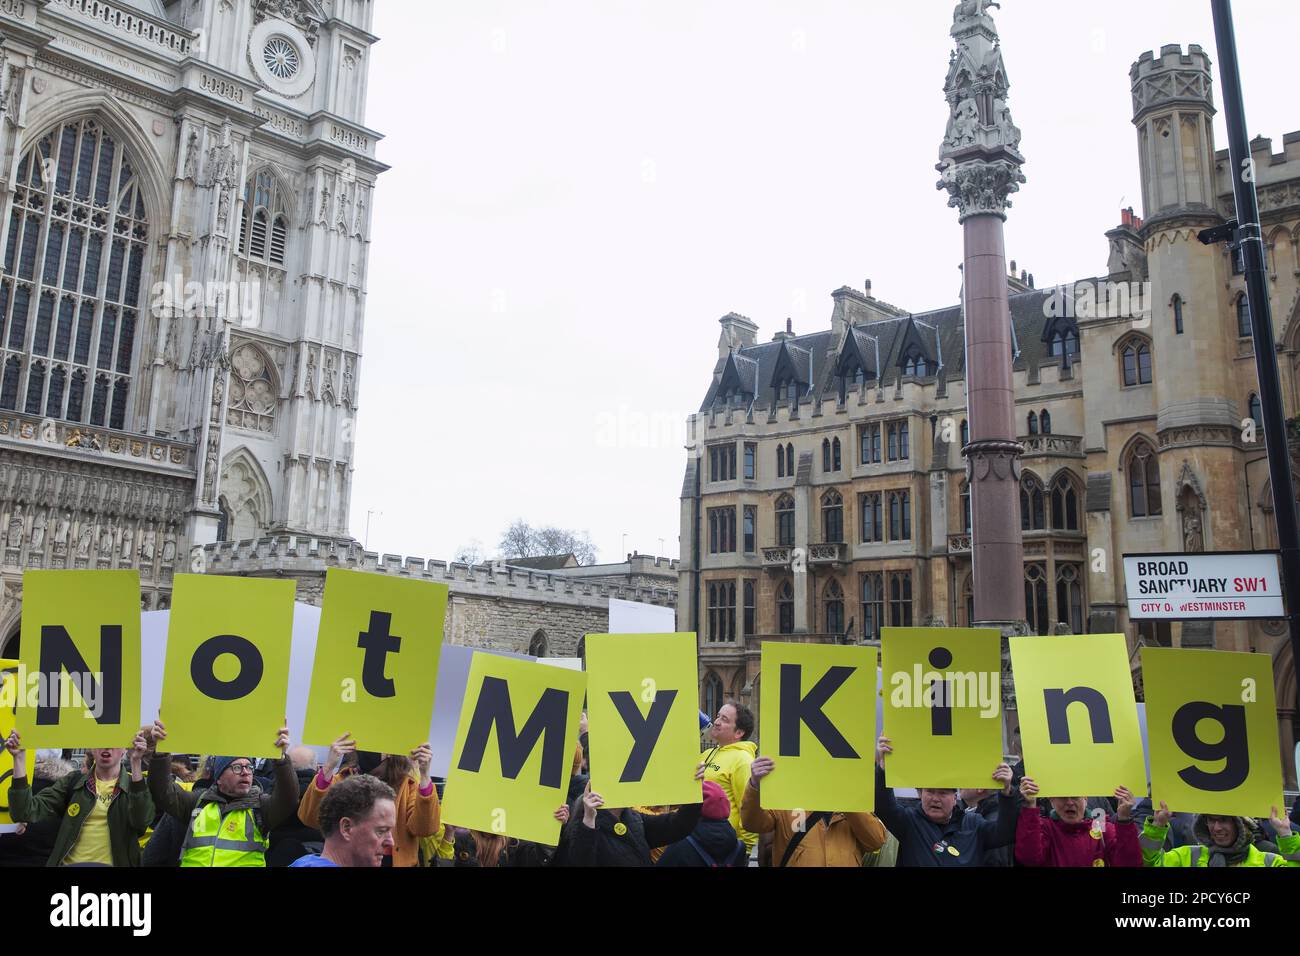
(235, 840)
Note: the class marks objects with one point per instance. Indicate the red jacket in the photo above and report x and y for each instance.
(1041, 841)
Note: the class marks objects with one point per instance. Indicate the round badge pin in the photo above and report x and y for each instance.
(620, 828)
(1098, 862)
(74, 809)
(954, 851)
(1096, 834)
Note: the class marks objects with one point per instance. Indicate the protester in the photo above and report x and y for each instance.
(358, 817)
(936, 833)
(985, 804)
(103, 809)
(806, 839)
(474, 848)
(1220, 841)
(597, 836)
(418, 808)
(32, 843)
(292, 838)
(714, 842)
(1068, 837)
(728, 762)
(228, 823)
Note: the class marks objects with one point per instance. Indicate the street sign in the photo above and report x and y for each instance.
(1221, 585)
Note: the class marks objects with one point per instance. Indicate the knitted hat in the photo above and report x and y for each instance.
(716, 804)
(221, 764)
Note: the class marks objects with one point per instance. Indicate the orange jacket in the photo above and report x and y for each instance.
(844, 841)
(417, 815)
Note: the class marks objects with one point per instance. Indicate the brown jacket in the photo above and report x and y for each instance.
(843, 841)
(417, 815)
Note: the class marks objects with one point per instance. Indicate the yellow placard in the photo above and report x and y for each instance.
(514, 748)
(943, 706)
(81, 646)
(8, 706)
(1212, 731)
(643, 718)
(1078, 715)
(226, 675)
(376, 665)
(817, 721)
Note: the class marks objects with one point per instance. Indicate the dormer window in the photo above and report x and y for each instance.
(1065, 344)
(916, 366)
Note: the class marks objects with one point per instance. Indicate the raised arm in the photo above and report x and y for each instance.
(887, 809)
(166, 794)
(1033, 847)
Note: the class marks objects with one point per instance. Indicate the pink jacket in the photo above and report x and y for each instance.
(1041, 841)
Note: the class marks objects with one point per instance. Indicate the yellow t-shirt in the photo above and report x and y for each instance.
(92, 844)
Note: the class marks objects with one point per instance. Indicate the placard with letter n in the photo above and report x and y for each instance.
(1212, 730)
(943, 705)
(817, 721)
(226, 676)
(376, 667)
(643, 718)
(1078, 715)
(81, 640)
(514, 749)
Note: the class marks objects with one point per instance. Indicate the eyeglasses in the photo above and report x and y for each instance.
(241, 769)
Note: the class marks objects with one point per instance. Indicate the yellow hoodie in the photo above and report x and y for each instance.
(728, 767)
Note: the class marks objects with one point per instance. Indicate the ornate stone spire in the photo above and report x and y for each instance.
(980, 157)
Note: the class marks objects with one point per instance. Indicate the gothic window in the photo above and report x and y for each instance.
(1143, 481)
(780, 461)
(264, 229)
(253, 397)
(751, 461)
(785, 521)
(1045, 421)
(900, 516)
(1136, 362)
(916, 366)
(832, 518)
(835, 455)
(1036, 598)
(722, 462)
(537, 647)
(1069, 597)
(1243, 317)
(870, 440)
(826, 454)
(1065, 345)
(1065, 505)
(968, 601)
(965, 507)
(1032, 513)
(785, 608)
(1256, 411)
(722, 530)
(77, 226)
(1033, 423)
(1178, 314)
(873, 605)
(899, 441)
(750, 608)
(749, 527)
(873, 525)
(789, 461)
(713, 694)
(900, 599)
(965, 433)
(833, 598)
(722, 611)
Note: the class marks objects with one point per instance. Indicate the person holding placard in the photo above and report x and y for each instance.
(1069, 837)
(229, 823)
(600, 836)
(808, 839)
(1221, 842)
(104, 809)
(728, 762)
(935, 833)
(714, 843)
(418, 810)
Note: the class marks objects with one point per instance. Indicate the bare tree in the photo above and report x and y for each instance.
(519, 541)
(471, 553)
(522, 540)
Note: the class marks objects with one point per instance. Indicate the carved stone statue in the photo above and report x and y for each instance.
(83, 541)
(1193, 539)
(969, 10)
(1010, 131)
(16, 523)
(347, 381)
(61, 532)
(961, 128)
(128, 544)
(38, 531)
(106, 542)
(147, 546)
(192, 156)
(169, 549)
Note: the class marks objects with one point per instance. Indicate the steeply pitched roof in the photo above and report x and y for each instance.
(546, 562)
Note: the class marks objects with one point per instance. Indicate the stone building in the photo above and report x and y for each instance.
(826, 495)
(186, 188)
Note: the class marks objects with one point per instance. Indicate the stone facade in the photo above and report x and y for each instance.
(1133, 395)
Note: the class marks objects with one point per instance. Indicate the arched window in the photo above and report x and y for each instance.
(264, 229)
(1065, 345)
(965, 507)
(722, 611)
(1032, 516)
(832, 518)
(1069, 597)
(1033, 423)
(1045, 421)
(826, 454)
(968, 601)
(900, 516)
(1036, 598)
(78, 226)
(780, 461)
(712, 695)
(965, 433)
(835, 455)
(916, 365)
(785, 521)
(1143, 481)
(1136, 362)
(873, 605)
(1178, 314)
(537, 647)
(1256, 411)
(789, 461)
(1243, 317)
(785, 608)
(833, 598)
(1065, 505)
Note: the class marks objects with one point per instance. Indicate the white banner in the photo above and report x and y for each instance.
(1181, 587)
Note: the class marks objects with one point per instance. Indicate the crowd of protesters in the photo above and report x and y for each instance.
(143, 806)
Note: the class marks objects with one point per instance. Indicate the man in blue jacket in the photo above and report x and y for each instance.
(933, 834)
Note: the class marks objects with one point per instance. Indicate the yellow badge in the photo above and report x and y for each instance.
(74, 809)
(620, 828)
(954, 851)
(1096, 834)
(1099, 862)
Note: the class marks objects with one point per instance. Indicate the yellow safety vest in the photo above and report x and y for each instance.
(235, 840)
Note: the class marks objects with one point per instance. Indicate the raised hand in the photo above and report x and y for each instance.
(422, 756)
(338, 750)
(157, 732)
(1029, 790)
(591, 802)
(1126, 801)
(14, 745)
(582, 724)
(1281, 825)
(883, 749)
(759, 769)
(282, 741)
(1163, 815)
(562, 814)
(1004, 776)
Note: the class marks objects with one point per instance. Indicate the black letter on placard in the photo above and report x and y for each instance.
(250, 667)
(645, 730)
(1058, 702)
(59, 653)
(1233, 749)
(941, 706)
(549, 717)
(808, 710)
(377, 643)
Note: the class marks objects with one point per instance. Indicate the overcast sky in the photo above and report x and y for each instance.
(582, 188)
